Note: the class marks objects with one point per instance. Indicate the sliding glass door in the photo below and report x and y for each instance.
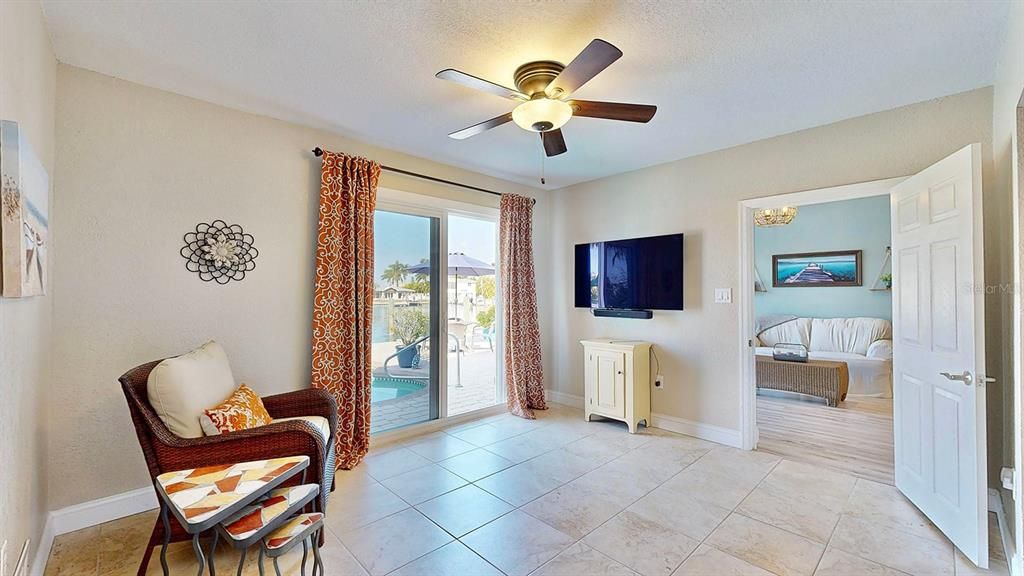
(406, 320)
(436, 311)
(472, 314)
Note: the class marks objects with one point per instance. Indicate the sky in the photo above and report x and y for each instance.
(406, 238)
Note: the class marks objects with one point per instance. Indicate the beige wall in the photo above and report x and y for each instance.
(698, 347)
(28, 79)
(137, 169)
(1007, 96)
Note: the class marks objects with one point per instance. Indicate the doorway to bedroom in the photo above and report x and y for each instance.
(823, 334)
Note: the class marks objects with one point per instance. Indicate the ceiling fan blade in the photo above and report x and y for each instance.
(480, 84)
(554, 143)
(597, 56)
(613, 110)
(481, 127)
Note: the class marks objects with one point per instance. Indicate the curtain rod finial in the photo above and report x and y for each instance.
(318, 152)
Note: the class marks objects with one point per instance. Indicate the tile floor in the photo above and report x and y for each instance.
(560, 497)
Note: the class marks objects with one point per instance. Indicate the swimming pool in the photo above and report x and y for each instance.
(384, 388)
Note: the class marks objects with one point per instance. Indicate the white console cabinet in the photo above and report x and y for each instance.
(617, 380)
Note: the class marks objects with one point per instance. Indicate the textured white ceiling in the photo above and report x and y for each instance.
(721, 73)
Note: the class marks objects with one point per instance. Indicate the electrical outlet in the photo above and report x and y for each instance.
(659, 381)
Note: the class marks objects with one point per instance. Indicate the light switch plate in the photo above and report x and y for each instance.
(723, 295)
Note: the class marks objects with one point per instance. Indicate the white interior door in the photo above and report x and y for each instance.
(938, 359)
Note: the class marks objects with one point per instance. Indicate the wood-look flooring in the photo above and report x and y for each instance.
(856, 437)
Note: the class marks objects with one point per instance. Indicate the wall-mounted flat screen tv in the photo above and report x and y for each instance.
(635, 274)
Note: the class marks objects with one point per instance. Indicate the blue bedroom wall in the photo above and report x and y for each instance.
(861, 224)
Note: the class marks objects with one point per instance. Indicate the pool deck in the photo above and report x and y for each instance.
(478, 373)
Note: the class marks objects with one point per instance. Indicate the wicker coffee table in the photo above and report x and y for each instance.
(821, 378)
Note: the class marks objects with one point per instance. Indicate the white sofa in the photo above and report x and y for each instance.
(865, 344)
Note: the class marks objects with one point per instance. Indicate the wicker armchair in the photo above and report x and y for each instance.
(166, 452)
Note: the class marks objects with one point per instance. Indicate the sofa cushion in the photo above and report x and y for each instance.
(850, 335)
(319, 422)
(796, 331)
(181, 388)
(880, 349)
(241, 411)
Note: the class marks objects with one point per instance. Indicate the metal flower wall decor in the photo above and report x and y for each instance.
(219, 252)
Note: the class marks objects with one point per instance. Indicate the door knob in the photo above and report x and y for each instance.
(966, 377)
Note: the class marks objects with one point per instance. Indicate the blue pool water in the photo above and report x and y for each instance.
(381, 322)
(391, 388)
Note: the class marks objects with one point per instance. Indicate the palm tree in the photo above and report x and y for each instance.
(395, 273)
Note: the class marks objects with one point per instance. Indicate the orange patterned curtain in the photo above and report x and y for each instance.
(343, 297)
(524, 373)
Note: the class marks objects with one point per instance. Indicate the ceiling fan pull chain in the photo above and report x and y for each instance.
(542, 182)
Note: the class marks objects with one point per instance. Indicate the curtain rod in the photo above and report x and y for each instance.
(319, 152)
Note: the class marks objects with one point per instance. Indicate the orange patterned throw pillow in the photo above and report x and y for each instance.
(242, 410)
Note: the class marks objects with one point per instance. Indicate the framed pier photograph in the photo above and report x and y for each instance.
(826, 269)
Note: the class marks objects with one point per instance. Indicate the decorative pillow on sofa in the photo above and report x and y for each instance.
(180, 388)
(242, 410)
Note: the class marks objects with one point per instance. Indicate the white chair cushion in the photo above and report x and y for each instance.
(321, 424)
(181, 388)
(796, 331)
(850, 335)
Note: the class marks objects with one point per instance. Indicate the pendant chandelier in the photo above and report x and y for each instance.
(767, 217)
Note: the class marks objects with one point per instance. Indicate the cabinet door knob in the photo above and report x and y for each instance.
(620, 372)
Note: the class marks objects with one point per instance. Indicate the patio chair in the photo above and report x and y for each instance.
(166, 452)
(488, 334)
(458, 330)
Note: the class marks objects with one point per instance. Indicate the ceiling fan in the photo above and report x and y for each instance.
(543, 91)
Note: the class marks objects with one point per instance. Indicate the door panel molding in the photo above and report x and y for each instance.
(938, 356)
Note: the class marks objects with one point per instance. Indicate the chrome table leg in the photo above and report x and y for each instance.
(199, 553)
(213, 551)
(167, 538)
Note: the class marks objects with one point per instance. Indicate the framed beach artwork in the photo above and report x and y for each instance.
(825, 269)
(24, 221)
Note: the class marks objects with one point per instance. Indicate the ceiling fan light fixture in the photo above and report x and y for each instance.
(542, 114)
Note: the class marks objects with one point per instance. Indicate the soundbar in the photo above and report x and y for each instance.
(623, 313)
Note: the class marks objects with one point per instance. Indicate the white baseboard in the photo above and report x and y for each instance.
(710, 432)
(43, 550)
(89, 514)
(563, 398)
(704, 431)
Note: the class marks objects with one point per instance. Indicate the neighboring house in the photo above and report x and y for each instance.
(394, 293)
